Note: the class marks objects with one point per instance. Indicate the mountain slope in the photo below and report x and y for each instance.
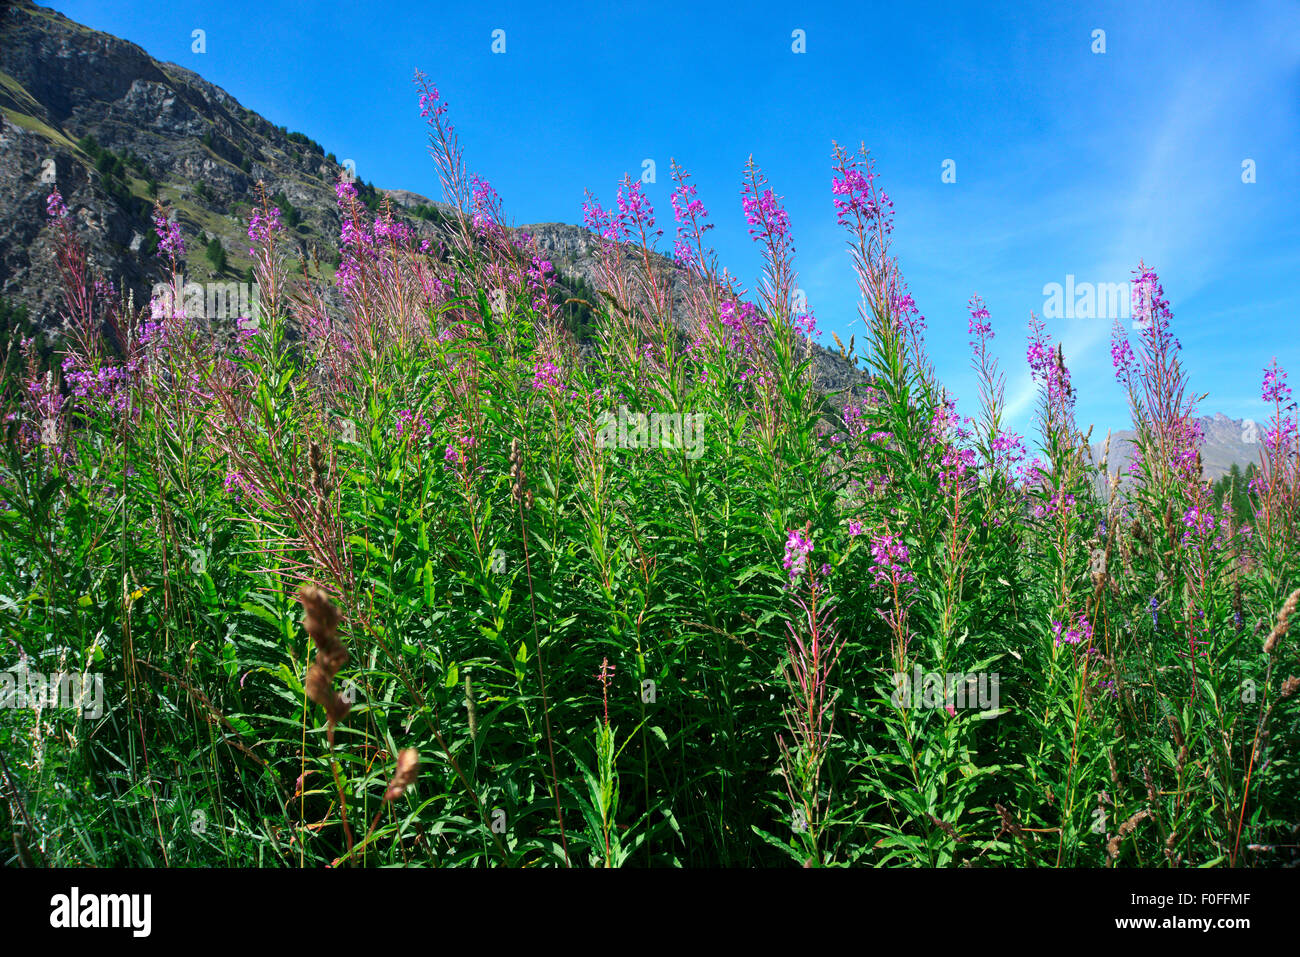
(115, 128)
(104, 120)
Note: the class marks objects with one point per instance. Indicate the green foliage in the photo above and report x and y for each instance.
(216, 255)
(302, 139)
(290, 215)
(579, 308)
(426, 212)
(1236, 487)
(368, 195)
(606, 650)
(114, 172)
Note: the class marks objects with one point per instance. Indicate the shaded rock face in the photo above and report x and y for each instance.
(1226, 442)
(61, 82)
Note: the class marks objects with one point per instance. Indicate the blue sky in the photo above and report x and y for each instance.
(1067, 161)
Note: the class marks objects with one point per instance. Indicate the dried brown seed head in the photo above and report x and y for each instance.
(408, 767)
(1283, 622)
(321, 623)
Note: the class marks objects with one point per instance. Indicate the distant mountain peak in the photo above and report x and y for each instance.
(1226, 442)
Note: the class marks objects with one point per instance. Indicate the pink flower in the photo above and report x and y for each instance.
(1121, 356)
(981, 325)
(431, 103)
(54, 207)
(486, 205)
(690, 215)
(636, 217)
(1151, 311)
(412, 424)
(1275, 387)
(235, 485)
(806, 325)
(890, 558)
(797, 550)
(546, 376)
(262, 227)
(1080, 630)
(170, 242)
(1008, 450)
(906, 314)
(599, 221)
(1047, 367)
(765, 214)
(863, 201)
(540, 280)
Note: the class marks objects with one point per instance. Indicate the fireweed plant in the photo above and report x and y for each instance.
(362, 572)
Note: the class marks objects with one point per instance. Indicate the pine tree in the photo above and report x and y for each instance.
(216, 254)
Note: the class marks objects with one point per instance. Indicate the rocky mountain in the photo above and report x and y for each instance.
(116, 129)
(1227, 442)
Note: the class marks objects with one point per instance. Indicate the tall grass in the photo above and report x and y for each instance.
(406, 581)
